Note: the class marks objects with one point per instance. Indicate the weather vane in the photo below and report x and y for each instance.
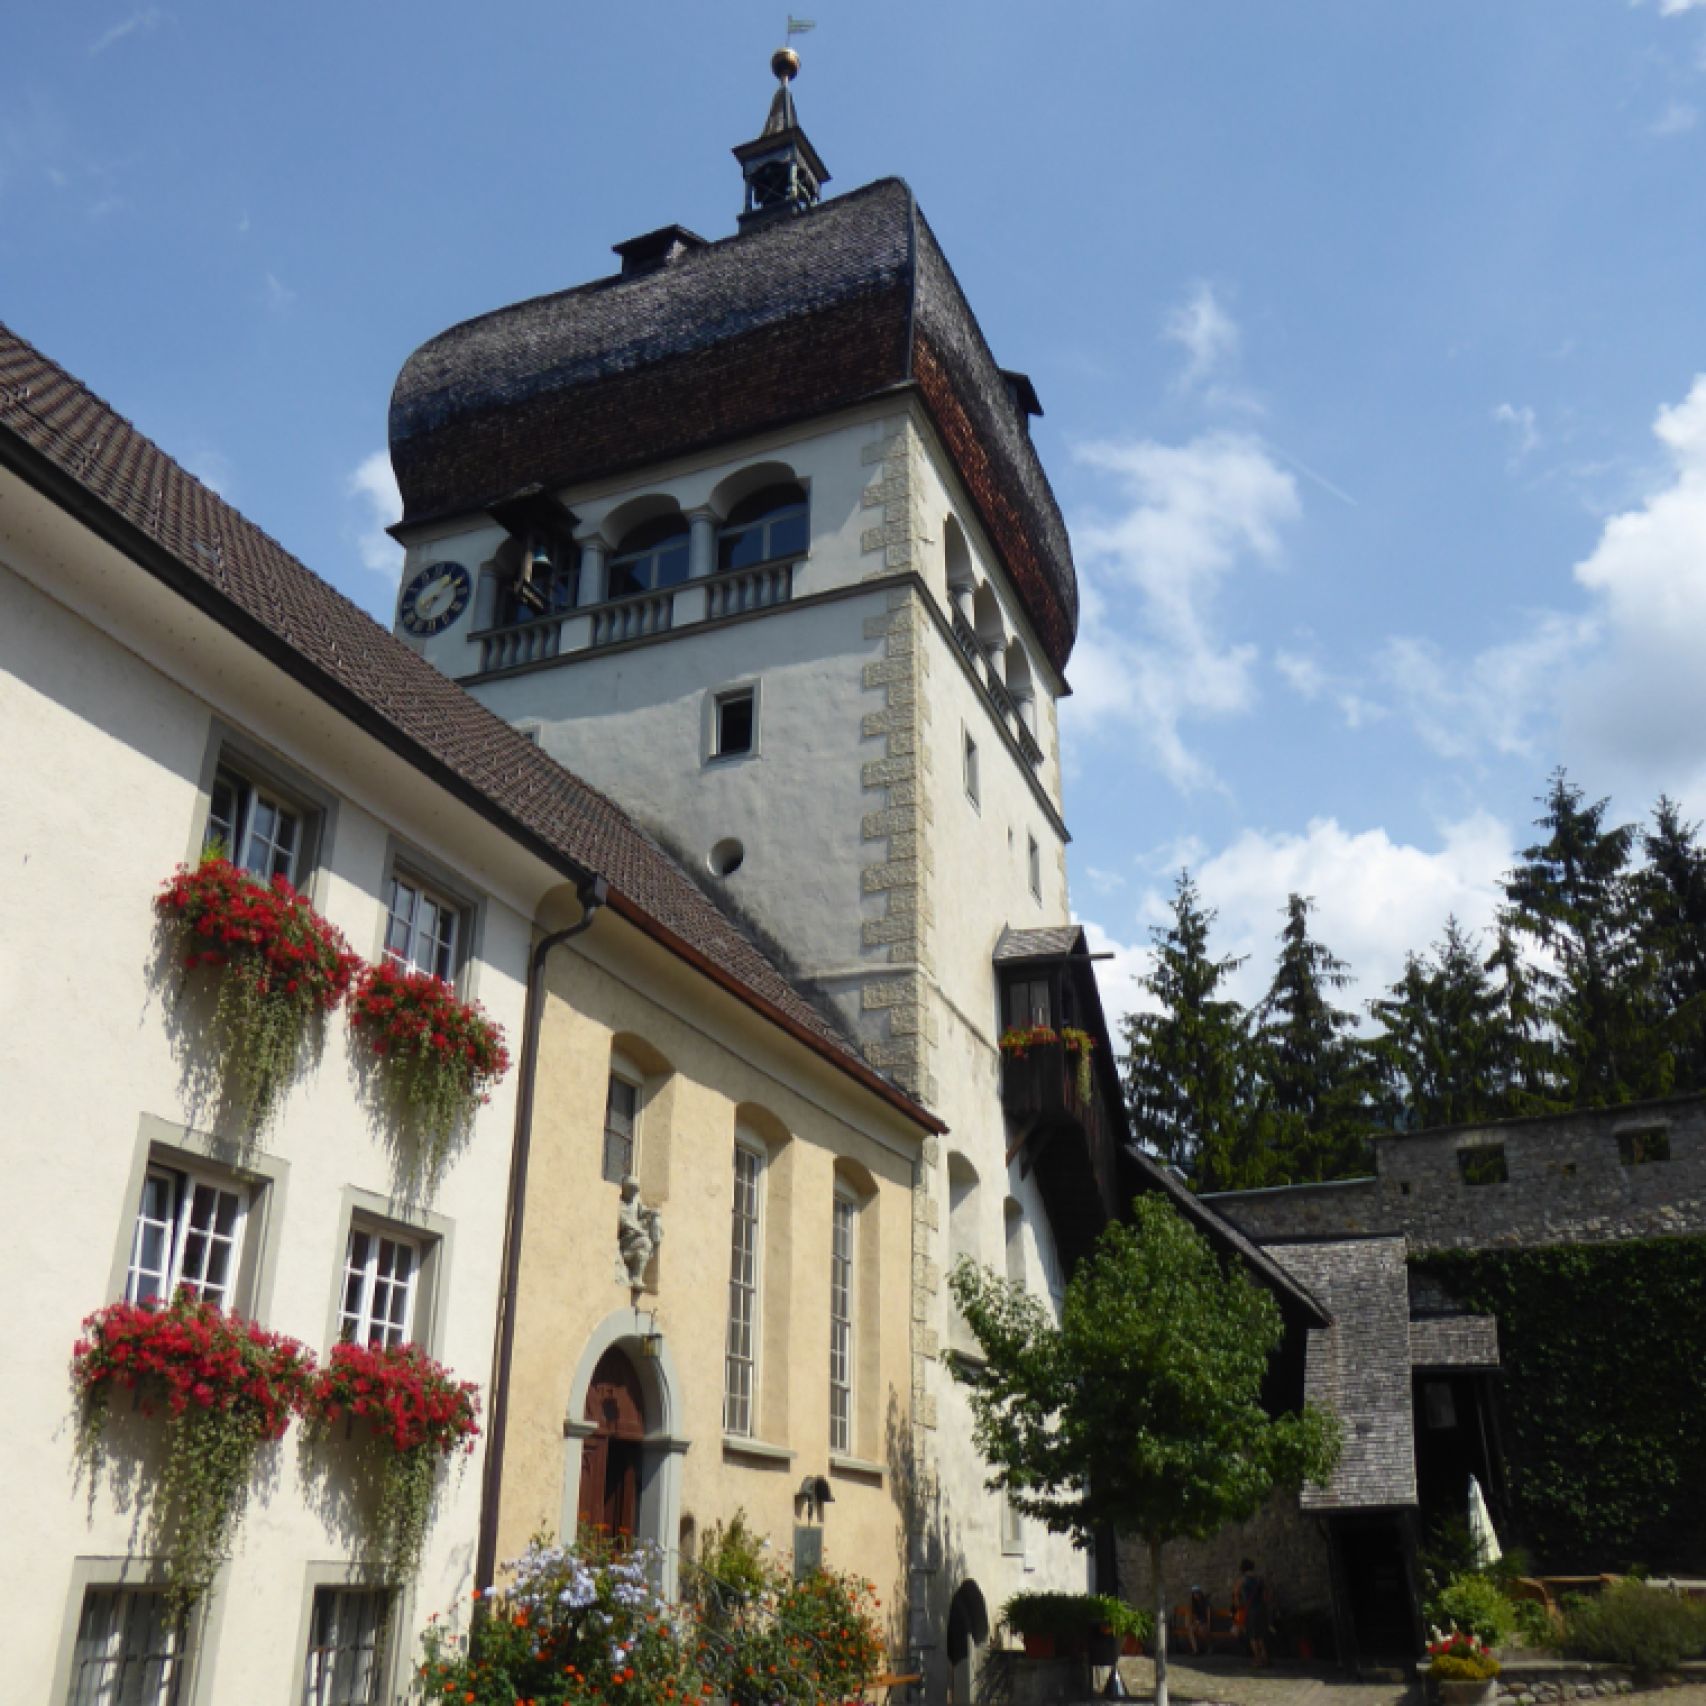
(798, 27)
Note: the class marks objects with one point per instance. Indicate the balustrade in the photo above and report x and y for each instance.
(730, 594)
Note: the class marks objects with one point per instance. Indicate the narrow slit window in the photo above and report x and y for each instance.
(841, 1324)
(1034, 864)
(971, 777)
(621, 1108)
(741, 1359)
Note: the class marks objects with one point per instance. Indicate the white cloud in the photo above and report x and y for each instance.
(1207, 334)
(1303, 675)
(1103, 882)
(1677, 119)
(277, 295)
(1498, 699)
(213, 469)
(1117, 978)
(1154, 654)
(1641, 702)
(141, 22)
(1525, 435)
(376, 486)
(1376, 899)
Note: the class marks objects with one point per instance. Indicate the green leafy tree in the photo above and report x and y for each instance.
(1452, 1046)
(1570, 897)
(1317, 1081)
(1187, 1065)
(1142, 1407)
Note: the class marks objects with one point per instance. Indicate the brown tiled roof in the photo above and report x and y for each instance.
(789, 320)
(75, 446)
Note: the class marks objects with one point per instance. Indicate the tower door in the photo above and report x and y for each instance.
(611, 1454)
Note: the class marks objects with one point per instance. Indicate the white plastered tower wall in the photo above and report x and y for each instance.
(114, 693)
(881, 881)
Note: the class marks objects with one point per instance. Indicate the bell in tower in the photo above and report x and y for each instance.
(782, 170)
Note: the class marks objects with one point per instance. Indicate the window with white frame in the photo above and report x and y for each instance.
(188, 1233)
(842, 1232)
(970, 768)
(421, 928)
(735, 723)
(1034, 862)
(740, 1363)
(255, 826)
(621, 1121)
(131, 1649)
(381, 1274)
(346, 1647)
(1012, 1526)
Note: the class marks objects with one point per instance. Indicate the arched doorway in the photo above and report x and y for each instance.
(968, 1630)
(611, 1453)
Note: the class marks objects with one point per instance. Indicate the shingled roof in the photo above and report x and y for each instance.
(78, 450)
(790, 320)
(1359, 1368)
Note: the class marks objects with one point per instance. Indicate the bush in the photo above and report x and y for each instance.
(1075, 1615)
(1474, 1604)
(1535, 1625)
(1106, 1611)
(1632, 1624)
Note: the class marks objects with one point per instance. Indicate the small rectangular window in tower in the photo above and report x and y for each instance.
(735, 724)
(972, 792)
(620, 1107)
(1034, 859)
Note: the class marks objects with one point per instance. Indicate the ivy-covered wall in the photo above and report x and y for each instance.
(1602, 1404)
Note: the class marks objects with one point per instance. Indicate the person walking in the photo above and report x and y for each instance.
(1253, 1607)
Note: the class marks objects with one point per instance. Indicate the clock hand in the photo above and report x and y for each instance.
(436, 596)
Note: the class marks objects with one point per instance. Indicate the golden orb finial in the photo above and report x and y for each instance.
(785, 64)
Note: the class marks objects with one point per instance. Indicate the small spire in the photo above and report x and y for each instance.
(782, 170)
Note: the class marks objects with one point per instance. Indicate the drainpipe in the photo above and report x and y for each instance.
(592, 892)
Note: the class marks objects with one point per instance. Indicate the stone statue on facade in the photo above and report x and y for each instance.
(639, 1231)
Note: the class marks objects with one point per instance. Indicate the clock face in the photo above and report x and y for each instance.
(436, 596)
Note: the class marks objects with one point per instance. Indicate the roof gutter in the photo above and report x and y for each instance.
(592, 894)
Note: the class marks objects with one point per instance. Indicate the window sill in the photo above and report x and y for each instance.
(840, 1464)
(741, 1445)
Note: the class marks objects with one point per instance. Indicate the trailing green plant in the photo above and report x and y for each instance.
(1631, 1623)
(1603, 1350)
(1474, 1605)
(731, 1568)
(227, 1386)
(1082, 1047)
(439, 1056)
(420, 1414)
(278, 966)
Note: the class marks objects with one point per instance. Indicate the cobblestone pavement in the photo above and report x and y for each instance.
(1231, 1682)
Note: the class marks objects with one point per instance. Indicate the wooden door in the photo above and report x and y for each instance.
(610, 1456)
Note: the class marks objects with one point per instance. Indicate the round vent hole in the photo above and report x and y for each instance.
(726, 857)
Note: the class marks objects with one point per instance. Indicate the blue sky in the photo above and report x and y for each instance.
(1369, 339)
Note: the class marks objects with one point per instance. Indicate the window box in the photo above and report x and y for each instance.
(228, 1387)
(278, 967)
(438, 1057)
(420, 1414)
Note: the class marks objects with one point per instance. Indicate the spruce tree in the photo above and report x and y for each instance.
(1570, 897)
(1316, 1078)
(1670, 927)
(1452, 1049)
(1186, 1065)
